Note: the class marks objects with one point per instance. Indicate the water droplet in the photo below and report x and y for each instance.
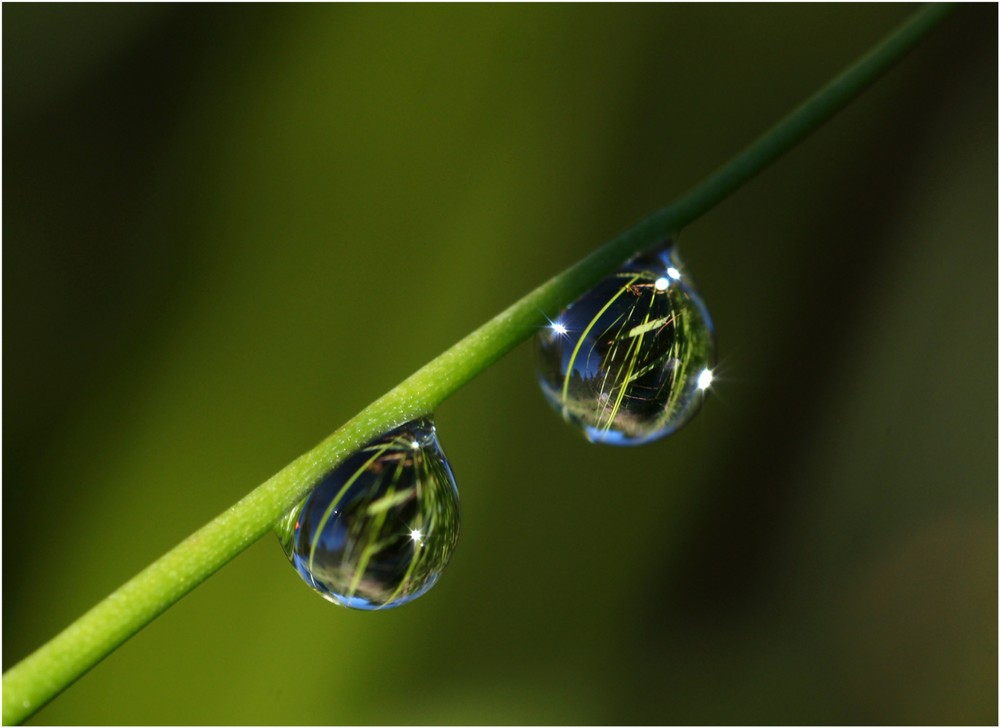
(630, 360)
(379, 529)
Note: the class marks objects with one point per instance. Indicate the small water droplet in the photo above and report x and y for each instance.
(378, 530)
(630, 360)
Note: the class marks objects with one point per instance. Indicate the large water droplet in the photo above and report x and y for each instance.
(630, 360)
(378, 530)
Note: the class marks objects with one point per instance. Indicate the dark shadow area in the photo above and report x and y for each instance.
(94, 252)
(723, 571)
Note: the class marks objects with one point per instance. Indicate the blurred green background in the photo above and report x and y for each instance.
(228, 228)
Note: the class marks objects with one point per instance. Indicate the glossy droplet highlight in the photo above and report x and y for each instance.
(379, 529)
(629, 361)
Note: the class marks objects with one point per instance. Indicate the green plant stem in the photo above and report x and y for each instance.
(41, 676)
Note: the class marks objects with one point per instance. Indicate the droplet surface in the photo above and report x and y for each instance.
(378, 530)
(629, 361)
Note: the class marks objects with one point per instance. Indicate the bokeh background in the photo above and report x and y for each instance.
(226, 229)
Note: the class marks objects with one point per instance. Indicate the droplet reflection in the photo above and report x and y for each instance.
(379, 529)
(631, 359)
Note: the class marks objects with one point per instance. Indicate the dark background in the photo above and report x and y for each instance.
(228, 228)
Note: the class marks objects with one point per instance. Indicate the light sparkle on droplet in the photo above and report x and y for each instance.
(705, 379)
(674, 273)
(416, 535)
(662, 284)
(558, 327)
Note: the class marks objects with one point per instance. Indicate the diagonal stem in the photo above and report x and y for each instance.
(41, 676)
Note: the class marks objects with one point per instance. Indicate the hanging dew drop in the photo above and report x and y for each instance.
(630, 361)
(378, 530)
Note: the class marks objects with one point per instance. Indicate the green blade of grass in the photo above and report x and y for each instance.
(34, 681)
